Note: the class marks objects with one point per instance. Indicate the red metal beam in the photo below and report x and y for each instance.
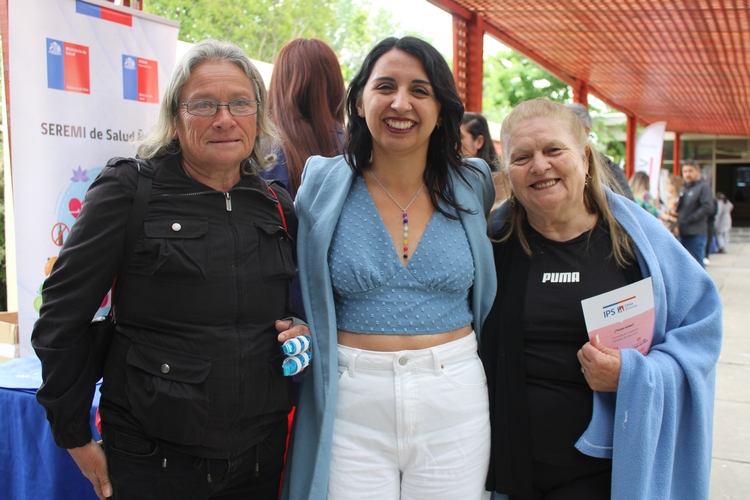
(581, 93)
(452, 8)
(630, 130)
(677, 155)
(461, 56)
(530, 53)
(475, 64)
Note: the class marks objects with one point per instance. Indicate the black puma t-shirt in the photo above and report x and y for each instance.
(560, 276)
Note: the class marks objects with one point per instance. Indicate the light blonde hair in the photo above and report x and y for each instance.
(640, 184)
(159, 139)
(594, 196)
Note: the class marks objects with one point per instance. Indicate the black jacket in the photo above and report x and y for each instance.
(618, 176)
(209, 276)
(694, 208)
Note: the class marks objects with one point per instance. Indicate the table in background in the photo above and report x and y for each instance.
(31, 464)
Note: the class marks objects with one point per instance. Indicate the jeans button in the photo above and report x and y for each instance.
(403, 360)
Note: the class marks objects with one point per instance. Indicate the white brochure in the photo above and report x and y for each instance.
(622, 318)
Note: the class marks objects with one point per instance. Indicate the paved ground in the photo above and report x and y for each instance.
(730, 471)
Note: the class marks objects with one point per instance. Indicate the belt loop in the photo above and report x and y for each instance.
(436, 360)
(352, 362)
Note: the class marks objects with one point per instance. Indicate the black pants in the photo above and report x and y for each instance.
(559, 482)
(142, 469)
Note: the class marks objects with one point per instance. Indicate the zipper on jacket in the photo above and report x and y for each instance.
(229, 201)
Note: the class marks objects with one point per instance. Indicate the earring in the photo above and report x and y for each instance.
(586, 182)
(512, 200)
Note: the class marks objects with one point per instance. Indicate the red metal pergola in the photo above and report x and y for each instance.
(685, 62)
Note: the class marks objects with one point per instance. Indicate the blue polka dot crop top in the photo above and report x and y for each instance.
(374, 293)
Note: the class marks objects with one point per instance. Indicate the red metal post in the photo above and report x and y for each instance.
(581, 93)
(630, 129)
(460, 55)
(677, 155)
(475, 64)
(468, 59)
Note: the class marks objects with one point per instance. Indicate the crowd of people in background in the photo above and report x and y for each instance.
(380, 220)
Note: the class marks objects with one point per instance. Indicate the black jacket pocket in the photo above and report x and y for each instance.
(177, 249)
(168, 392)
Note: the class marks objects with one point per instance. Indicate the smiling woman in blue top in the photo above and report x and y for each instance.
(397, 278)
(571, 418)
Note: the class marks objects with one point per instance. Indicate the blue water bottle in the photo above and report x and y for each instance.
(296, 345)
(295, 364)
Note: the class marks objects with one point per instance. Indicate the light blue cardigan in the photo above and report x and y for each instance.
(658, 426)
(325, 185)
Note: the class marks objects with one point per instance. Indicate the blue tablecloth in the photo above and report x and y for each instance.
(32, 466)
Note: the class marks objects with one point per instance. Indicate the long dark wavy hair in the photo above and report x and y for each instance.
(307, 103)
(444, 150)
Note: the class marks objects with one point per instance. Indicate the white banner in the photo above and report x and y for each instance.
(86, 79)
(648, 151)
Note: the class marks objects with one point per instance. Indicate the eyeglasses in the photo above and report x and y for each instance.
(207, 107)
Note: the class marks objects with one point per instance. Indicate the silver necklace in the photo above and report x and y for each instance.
(405, 215)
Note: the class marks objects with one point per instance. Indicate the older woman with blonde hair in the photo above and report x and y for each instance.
(572, 418)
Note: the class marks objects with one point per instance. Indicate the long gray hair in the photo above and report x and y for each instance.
(159, 139)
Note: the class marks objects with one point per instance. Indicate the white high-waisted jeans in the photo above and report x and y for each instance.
(411, 424)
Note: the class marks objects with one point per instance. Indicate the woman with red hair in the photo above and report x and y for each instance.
(307, 105)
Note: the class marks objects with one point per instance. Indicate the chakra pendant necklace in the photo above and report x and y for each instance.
(403, 211)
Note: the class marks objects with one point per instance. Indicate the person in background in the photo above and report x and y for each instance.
(306, 97)
(723, 222)
(618, 182)
(640, 186)
(476, 142)
(194, 402)
(695, 206)
(711, 244)
(571, 418)
(668, 214)
(307, 105)
(397, 277)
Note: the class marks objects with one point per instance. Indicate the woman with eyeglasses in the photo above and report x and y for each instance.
(194, 402)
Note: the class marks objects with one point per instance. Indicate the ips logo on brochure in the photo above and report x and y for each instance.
(619, 307)
(140, 79)
(68, 66)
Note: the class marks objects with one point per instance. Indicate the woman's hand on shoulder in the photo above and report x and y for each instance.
(600, 366)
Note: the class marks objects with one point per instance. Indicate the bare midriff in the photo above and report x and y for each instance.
(395, 342)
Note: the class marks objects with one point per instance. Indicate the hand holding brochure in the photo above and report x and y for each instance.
(622, 318)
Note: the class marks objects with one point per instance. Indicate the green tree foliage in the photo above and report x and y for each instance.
(510, 78)
(261, 27)
(359, 26)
